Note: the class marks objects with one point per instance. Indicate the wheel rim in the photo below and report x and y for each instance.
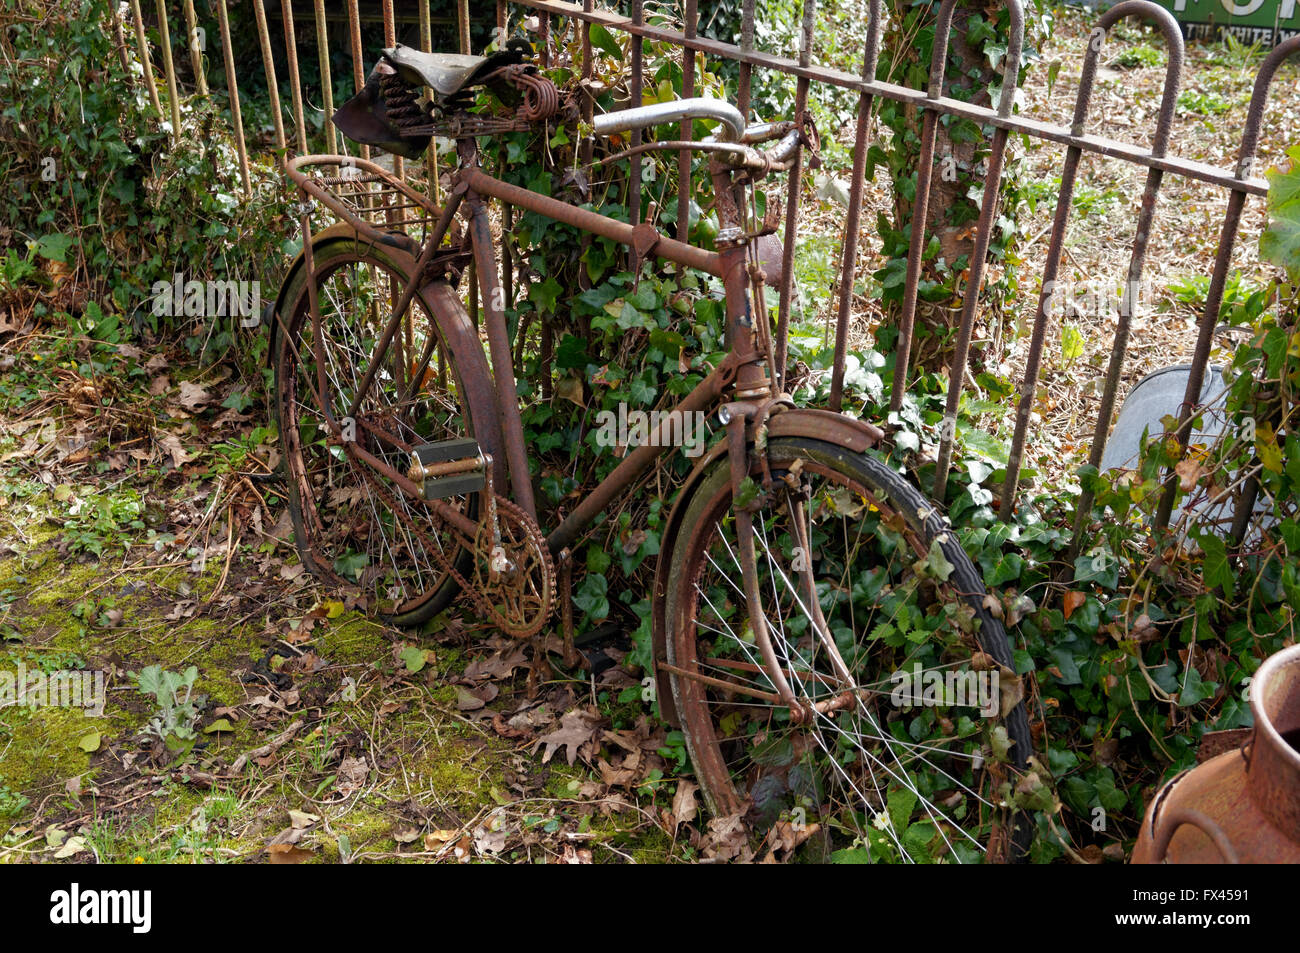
(880, 782)
(352, 533)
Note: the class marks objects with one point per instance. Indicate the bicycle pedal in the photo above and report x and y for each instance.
(448, 468)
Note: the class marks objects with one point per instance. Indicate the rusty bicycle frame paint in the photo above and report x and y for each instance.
(743, 372)
(1240, 182)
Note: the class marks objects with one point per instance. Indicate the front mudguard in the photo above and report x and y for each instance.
(838, 429)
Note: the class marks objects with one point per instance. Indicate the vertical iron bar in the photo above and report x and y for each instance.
(192, 42)
(358, 61)
(430, 154)
(920, 206)
(119, 40)
(794, 185)
(979, 253)
(746, 47)
(143, 44)
(634, 139)
(232, 84)
(295, 83)
(1128, 302)
(390, 40)
(687, 130)
(1222, 262)
(462, 25)
(588, 103)
(848, 266)
(169, 67)
(272, 84)
(1056, 245)
(326, 79)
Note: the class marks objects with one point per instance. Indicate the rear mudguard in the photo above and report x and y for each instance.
(849, 432)
(454, 325)
(399, 249)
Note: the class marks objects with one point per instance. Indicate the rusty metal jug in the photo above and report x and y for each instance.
(1241, 806)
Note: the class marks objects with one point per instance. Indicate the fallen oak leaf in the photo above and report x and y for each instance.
(193, 396)
(274, 745)
(577, 728)
(172, 445)
(1073, 600)
(73, 845)
(352, 775)
(301, 820)
(436, 840)
(502, 728)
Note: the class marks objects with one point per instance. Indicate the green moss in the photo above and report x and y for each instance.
(41, 750)
(352, 639)
(365, 828)
(188, 825)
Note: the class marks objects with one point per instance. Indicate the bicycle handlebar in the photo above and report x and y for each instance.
(732, 137)
(700, 107)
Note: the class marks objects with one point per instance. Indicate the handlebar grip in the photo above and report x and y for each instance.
(700, 107)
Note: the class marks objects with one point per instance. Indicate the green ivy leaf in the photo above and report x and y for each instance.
(1280, 243)
(1218, 571)
(1007, 568)
(414, 657)
(54, 247)
(592, 597)
(936, 564)
(1195, 689)
(604, 41)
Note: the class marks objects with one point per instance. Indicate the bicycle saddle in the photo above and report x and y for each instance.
(450, 73)
(385, 113)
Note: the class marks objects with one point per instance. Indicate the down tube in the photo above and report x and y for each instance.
(636, 463)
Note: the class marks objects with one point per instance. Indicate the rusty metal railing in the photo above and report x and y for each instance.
(1156, 158)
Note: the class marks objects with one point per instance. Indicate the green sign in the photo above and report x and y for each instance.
(1251, 21)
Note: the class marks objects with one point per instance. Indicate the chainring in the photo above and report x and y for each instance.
(518, 601)
(515, 576)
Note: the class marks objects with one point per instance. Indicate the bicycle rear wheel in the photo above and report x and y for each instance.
(353, 527)
(882, 779)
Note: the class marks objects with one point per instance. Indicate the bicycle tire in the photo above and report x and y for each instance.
(729, 756)
(424, 589)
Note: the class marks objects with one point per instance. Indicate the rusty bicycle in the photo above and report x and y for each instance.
(820, 635)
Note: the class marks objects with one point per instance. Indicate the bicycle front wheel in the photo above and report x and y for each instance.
(915, 756)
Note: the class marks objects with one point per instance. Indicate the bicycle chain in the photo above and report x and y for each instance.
(515, 628)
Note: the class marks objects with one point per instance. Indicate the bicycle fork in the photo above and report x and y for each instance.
(738, 418)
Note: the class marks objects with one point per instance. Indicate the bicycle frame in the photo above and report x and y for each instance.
(744, 374)
(744, 368)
